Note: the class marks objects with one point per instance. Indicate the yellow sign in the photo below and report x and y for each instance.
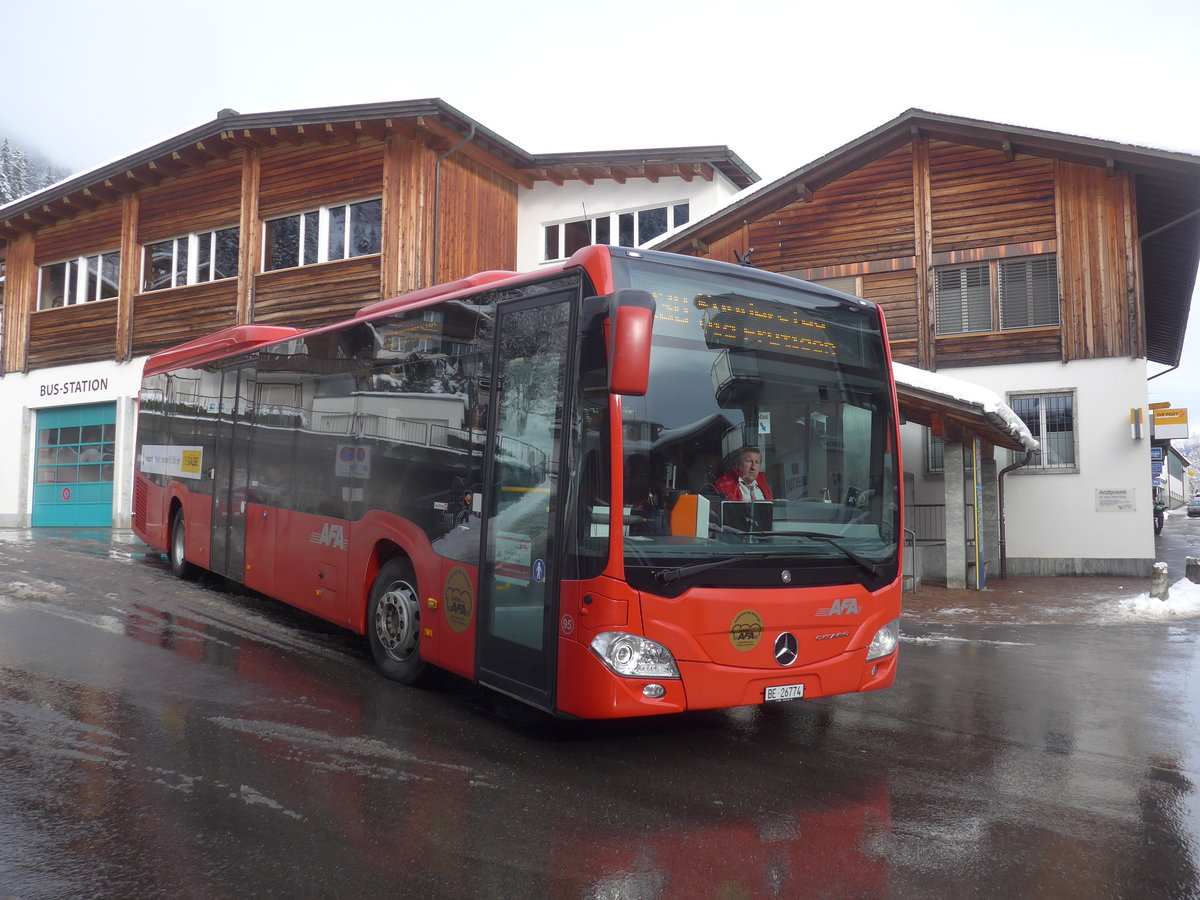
(189, 462)
(1170, 423)
(1170, 416)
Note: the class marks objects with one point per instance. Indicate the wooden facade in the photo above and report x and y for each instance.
(244, 182)
(927, 191)
(447, 188)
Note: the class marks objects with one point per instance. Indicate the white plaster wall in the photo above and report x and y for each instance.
(1052, 515)
(545, 203)
(21, 396)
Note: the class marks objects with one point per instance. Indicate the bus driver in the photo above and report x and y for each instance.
(745, 480)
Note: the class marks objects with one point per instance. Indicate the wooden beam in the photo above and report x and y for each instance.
(314, 133)
(37, 218)
(401, 128)
(140, 179)
(190, 158)
(111, 189)
(370, 129)
(552, 176)
(131, 266)
(923, 263)
(342, 131)
(250, 229)
(82, 201)
(289, 136)
(20, 300)
(167, 167)
(244, 138)
(804, 193)
(202, 149)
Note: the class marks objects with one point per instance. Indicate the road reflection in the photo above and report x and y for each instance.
(200, 744)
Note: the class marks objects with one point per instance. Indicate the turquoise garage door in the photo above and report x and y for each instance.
(73, 480)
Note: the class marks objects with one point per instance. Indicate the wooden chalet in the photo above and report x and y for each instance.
(928, 190)
(444, 192)
(993, 248)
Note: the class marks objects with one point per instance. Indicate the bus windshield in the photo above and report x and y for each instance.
(766, 438)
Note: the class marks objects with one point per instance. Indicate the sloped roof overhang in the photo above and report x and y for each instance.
(231, 130)
(959, 409)
(1167, 187)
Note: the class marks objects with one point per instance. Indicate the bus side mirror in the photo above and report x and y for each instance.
(630, 328)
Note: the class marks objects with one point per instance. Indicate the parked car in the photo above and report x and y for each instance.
(1194, 507)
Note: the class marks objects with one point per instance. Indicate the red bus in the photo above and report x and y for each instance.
(528, 480)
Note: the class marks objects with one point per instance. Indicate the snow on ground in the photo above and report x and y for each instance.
(1183, 602)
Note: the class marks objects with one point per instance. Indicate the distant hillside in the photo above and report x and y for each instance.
(23, 173)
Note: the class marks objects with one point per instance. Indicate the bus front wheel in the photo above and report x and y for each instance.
(179, 564)
(394, 622)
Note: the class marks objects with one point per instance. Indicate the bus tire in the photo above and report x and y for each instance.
(179, 564)
(394, 622)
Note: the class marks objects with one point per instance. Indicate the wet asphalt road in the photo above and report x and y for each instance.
(162, 739)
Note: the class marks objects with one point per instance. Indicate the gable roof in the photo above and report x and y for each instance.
(231, 130)
(1167, 187)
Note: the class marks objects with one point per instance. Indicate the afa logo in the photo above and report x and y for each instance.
(458, 599)
(847, 607)
(330, 536)
(746, 630)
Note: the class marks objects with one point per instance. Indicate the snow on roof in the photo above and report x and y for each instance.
(964, 392)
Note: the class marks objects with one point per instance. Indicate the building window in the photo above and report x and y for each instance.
(964, 299)
(632, 229)
(1050, 417)
(80, 280)
(935, 454)
(1028, 292)
(75, 455)
(324, 235)
(191, 259)
(1016, 293)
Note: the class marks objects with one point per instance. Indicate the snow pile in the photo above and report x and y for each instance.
(1183, 601)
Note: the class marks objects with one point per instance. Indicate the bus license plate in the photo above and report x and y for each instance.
(785, 692)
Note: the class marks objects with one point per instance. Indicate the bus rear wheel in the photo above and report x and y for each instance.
(179, 564)
(394, 622)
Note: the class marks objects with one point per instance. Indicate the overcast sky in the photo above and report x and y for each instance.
(780, 83)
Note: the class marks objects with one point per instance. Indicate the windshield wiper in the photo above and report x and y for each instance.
(666, 576)
(866, 564)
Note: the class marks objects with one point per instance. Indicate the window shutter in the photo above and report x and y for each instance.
(1028, 292)
(963, 299)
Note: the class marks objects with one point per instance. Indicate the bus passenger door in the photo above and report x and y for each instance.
(520, 572)
(230, 474)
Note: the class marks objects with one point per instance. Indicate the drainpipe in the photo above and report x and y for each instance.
(1000, 503)
(437, 195)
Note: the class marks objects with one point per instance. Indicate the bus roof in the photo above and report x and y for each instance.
(434, 290)
(226, 342)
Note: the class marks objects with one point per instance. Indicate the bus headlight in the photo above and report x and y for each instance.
(633, 655)
(885, 640)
